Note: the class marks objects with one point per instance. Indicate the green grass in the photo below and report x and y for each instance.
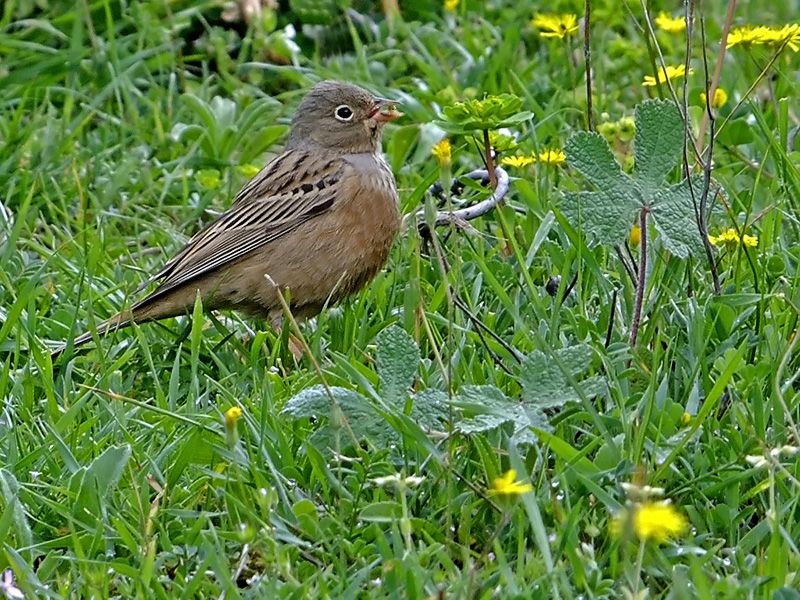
(125, 127)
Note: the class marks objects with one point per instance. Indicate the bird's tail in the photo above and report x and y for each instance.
(118, 321)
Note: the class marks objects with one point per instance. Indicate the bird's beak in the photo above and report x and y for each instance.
(384, 111)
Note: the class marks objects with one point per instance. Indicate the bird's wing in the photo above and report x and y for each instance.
(291, 190)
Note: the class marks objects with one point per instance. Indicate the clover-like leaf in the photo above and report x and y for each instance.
(348, 420)
(658, 143)
(544, 384)
(352, 418)
(602, 216)
(430, 408)
(491, 112)
(673, 213)
(589, 154)
(485, 407)
(607, 214)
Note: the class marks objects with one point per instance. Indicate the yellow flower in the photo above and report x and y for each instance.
(441, 152)
(507, 485)
(232, 415)
(788, 35)
(658, 521)
(748, 35)
(720, 98)
(729, 236)
(751, 241)
(686, 419)
(635, 236)
(663, 74)
(553, 156)
(552, 25)
(670, 24)
(655, 521)
(451, 5)
(518, 161)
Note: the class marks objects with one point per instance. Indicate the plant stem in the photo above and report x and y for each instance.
(587, 60)
(637, 577)
(487, 149)
(637, 308)
(712, 87)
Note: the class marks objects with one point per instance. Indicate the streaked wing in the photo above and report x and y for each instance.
(291, 190)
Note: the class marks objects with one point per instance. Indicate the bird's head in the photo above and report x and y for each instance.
(341, 117)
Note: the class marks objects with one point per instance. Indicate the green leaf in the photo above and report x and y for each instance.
(605, 217)
(381, 512)
(195, 447)
(347, 420)
(737, 132)
(544, 384)
(674, 217)
(398, 359)
(99, 478)
(14, 511)
(491, 112)
(430, 408)
(658, 143)
(316, 12)
(590, 155)
(484, 408)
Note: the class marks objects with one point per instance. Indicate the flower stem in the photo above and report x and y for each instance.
(637, 308)
(638, 570)
(487, 149)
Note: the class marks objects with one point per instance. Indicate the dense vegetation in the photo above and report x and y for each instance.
(549, 401)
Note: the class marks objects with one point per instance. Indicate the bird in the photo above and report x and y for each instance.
(315, 225)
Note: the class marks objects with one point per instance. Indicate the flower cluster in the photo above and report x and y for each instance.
(623, 129)
(731, 237)
(778, 36)
(761, 461)
(551, 156)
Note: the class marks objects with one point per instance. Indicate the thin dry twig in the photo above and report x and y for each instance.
(712, 87)
(663, 65)
(701, 208)
(587, 59)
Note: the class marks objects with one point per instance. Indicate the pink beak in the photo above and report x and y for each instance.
(384, 111)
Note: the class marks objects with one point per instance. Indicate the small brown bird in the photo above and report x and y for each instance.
(316, 223)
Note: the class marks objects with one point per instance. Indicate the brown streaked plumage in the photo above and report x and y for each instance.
(319, 220)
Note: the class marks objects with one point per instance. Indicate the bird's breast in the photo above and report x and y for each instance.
(367, 219)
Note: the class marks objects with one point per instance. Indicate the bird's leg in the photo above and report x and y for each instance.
(295, 345)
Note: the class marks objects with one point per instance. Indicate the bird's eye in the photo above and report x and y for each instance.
(343, 112)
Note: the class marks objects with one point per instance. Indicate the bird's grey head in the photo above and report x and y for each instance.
(340, 117)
